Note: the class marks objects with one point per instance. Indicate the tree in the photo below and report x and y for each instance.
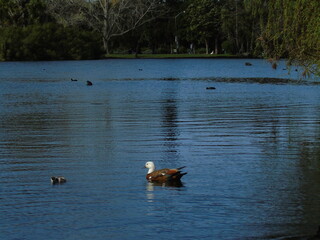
(110, 18)
(48, 41)
(236, 25)
(204, 20)
(257, 12)
(22, 12)
(292, 30)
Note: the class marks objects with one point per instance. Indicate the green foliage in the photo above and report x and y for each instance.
(239, 26)
(29, 33)
(292, 30)
(47, 42)
(227, 46)
(203, 17)
(22, 12)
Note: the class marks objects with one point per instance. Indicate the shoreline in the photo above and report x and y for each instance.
(146, 56)
(174, 56)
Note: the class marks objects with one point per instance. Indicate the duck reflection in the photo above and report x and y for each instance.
(151, 186)
(149, 192)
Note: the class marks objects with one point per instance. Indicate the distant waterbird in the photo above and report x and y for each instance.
(89, 83)
(58, 180)
(210, 88)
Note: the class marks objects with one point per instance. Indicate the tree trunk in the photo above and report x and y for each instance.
(236, 26)
(105, 45)
(105, 27)
(137, 49)
(216, 45)
(207, 46)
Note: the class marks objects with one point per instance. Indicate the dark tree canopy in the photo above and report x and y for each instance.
(80, 29)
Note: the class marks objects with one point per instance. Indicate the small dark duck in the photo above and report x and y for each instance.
(58, 180)
(210, 88)
(163, 175)
(89, 83)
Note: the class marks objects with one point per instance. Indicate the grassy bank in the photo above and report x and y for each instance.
(166, 56)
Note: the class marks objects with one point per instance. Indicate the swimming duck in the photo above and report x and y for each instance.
(163, 175)
(89, 83)
(210, 88)
(55, 180)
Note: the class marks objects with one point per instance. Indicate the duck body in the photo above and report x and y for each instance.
(210, 88)
(57, 180)
(163, 175)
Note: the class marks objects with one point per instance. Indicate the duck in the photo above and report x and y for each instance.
(89, 83)
(210, 88)
(163, 175)
(55, 180)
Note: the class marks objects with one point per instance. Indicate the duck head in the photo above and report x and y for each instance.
(150, 166)
(54, 180)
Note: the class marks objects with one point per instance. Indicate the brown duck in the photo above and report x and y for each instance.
(163, 175)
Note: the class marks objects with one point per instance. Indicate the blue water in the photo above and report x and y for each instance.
(148, 69)
(252, 150)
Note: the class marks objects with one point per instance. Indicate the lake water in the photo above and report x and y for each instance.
(252, 150)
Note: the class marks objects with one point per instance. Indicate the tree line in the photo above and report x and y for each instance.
(90, 29)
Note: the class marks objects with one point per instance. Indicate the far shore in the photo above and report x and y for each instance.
(152, 56)
(149, 56)
(170, 56)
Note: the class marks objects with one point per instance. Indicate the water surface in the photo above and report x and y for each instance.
(252, 150)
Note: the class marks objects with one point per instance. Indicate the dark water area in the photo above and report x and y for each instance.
(252, 150)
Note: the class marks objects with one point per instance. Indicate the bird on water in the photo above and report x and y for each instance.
(55, 180)
(89, 83)
(163, 175)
